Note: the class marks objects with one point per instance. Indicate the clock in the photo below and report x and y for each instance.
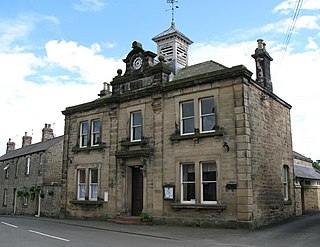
(137, 63)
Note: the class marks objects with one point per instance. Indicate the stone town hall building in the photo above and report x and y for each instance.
(198, 145)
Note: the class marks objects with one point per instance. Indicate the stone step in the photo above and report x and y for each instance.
(128, 220)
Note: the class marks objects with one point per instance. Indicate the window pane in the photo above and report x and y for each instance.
(95, 132)
(209, 192)
(188, 125)
(208, 123)
(207, 106)
(189, 192)
(94, 191)
(188, 173)
(94, 176)
(84, 127)
(187, 109)
(96, 126)
(209, 172)
(137, 118)
(136, 133)
(82, 176)
(82, 191)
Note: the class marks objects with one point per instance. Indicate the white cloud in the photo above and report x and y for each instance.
(85, 61)
(312, 44)
(89, 5)
(287, 7)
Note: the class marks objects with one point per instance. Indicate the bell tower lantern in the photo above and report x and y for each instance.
(173, 46)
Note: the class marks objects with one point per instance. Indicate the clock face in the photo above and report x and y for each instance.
(137, 63)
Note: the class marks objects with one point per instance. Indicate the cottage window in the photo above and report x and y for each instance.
(136, 126)
(207, 115)
(187, 118)
(285, 183)
(95, 132)
(188, 183)
(93, 190)
(27, 170)
(208, 183)
(84, 134)
(6, 171)
(5, 197)
(81, 184)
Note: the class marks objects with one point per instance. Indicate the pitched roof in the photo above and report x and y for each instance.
(33, 148)
(171, 31)
(302, 171)
(296, 155)
(198, 69)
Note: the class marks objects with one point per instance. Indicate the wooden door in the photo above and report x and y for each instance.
(137, 191)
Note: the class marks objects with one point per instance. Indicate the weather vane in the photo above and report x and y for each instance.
(173, 7)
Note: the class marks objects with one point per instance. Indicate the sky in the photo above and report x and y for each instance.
(56, 54)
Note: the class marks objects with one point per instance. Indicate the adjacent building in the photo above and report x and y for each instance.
(30, 177)
(307, 184)
(196, 145)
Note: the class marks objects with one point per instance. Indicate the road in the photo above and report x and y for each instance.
(27, 232)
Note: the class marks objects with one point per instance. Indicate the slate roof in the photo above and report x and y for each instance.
(302, 171)
(198, 69)
(33, 148)
(171, 31)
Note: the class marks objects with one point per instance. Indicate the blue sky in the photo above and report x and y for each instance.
(55, 54)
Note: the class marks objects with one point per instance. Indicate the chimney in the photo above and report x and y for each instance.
(10, 146)
(26, 140)
(263, 60)
(47, 132)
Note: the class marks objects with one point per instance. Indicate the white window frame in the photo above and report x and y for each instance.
(95, 134)
(81, 185)
(285, 182)
(28, 160)
(193, 200)
(84, 135)
(134, 127)
(205, 115)
(93, 185)
(207, 182)
(184, 118)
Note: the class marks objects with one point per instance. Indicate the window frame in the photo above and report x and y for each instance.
(285, 174)
(182, 183)
(95, 135)
(202, 182)
(91, 184)
(81, 186)
(205, 115)
(185, 118)
(83, 138)
(133, 127)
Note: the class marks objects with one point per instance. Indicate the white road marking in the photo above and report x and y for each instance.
(7, 224)
(49, 236)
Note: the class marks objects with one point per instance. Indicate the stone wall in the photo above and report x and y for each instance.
(311, 198)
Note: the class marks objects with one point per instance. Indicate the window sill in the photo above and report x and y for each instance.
(87, 202)
(177, 137)
(217, 207)
(127, 143)
(87, 149)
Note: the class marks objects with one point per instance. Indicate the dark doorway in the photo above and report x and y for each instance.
(137, 191)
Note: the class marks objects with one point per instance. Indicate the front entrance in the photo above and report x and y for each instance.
(137, 191)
